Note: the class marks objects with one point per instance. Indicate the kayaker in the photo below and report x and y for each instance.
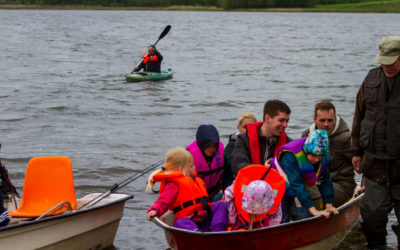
(244, 119)
(254, 202)
(303, 163)
(341, 170)
(375, 141)
(262, 139)
(185, 194)
(208, 154)
(151, 61)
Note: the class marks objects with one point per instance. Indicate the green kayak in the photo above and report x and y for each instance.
(149, 76)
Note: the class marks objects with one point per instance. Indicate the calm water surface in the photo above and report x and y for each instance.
(63, 90)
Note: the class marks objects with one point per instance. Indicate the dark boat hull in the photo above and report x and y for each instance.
(298, 234)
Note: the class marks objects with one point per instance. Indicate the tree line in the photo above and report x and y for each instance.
(225, 4)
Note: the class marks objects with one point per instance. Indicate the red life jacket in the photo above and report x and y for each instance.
(254, 142)
(252, 173)
(147, 58)
(191, 195)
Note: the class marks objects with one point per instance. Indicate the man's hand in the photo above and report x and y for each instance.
(356, 163)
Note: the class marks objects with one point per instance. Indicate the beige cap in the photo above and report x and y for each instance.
(389, 50)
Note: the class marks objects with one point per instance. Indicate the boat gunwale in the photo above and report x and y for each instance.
(145, 73)
(66, 214)
(150, 72)
(165, 226)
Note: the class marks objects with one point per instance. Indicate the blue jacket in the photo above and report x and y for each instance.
(297, 184)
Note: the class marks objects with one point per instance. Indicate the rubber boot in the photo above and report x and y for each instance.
(375, 240)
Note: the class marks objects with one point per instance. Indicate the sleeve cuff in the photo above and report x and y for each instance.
(327, 200)
(357, 152)
(308, 204)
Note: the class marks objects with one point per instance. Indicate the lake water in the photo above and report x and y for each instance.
(63, 90)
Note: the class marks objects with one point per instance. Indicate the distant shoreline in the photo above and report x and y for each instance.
(97, 7)
(364, 7)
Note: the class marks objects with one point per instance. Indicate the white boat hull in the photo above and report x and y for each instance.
(88, 228)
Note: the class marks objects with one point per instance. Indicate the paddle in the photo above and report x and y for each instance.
(164, 33)
(123, 183)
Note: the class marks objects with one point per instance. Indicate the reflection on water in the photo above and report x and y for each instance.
(64, 93)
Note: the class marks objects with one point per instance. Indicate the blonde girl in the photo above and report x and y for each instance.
(185, 194)
(176, 159)
(244, 119)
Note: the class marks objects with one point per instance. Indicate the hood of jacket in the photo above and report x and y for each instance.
(340, 127)
(206, 135)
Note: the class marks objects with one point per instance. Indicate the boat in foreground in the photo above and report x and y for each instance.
(310, 233)
(149, 76)
(48, 216)
(88, 228)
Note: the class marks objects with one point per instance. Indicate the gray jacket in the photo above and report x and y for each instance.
(341, 168)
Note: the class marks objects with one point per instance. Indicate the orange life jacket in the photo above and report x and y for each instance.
(147, 58)
(254, 142)
(252, 173)
(191, 195)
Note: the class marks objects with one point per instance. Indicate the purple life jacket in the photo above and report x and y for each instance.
(306, 168)
(211, 175)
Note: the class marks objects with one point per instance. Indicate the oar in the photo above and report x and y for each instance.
(164, 33)
(125, 182)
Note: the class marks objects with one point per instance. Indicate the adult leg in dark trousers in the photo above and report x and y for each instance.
(378, 201)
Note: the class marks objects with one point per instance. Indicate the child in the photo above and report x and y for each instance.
(208, 155)
(254, 198)
(303, 163)
(185, 194)
(258, 199)
(244, 119)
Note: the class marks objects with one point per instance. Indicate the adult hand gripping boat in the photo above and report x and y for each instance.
(50, 217)
(149, 76)
(310, 233)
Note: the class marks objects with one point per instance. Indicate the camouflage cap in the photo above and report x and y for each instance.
(389, 50)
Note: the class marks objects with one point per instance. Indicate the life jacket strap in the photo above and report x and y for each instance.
(208, 172)
(204, 203)
(266, 173)
(190, 203)
(244, 224)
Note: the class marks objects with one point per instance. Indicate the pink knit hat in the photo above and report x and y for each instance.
(258, 198)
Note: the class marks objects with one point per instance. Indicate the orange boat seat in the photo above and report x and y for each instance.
(48, 181)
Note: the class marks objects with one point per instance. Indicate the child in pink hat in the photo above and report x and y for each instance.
(258, 198)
